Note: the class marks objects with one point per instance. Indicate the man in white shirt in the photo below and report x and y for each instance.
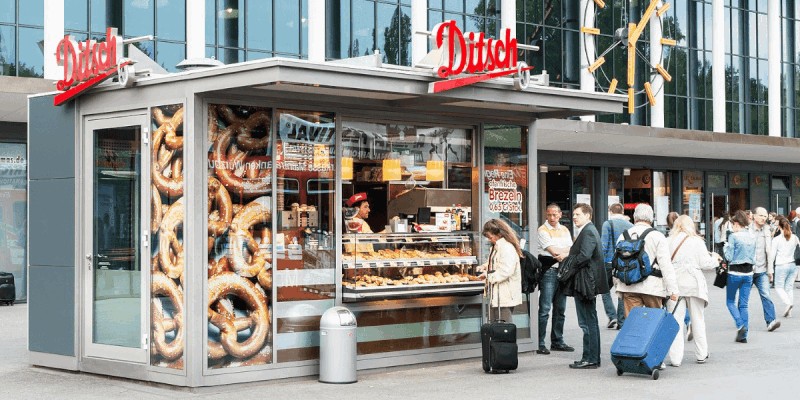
(762, 265)
(554, 243)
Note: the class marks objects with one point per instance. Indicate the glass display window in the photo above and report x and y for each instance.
(240, 251)
(693, 199)
(408, 211)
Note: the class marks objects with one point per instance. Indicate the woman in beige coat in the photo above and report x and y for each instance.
(689, 258)
(503, 268)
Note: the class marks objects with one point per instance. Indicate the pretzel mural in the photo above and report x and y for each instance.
(166, 169)
(166, 222)
(239, 236)
(232, 147)
(230, 284)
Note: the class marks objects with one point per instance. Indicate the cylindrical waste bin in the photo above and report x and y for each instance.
(337, 346)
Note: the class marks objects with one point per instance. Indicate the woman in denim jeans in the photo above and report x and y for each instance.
(782, 254)
(740, 252)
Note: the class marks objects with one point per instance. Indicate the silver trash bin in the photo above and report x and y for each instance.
(337, 346)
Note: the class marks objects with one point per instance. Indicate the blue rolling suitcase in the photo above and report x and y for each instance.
(644, 340)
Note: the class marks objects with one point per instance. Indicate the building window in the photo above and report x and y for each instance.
(243, 30)
(360, 27)
(790, 65)
(22, 38)
(746, 70)
(687, 97)
(554, 26)
(164, 19)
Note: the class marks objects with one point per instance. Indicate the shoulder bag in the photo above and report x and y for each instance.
(797, 253)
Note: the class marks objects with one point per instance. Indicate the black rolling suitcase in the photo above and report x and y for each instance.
(499, 343)
(8, 292)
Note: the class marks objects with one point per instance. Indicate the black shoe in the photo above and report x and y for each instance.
(744, 340)
(584, 365)
(619, 326)
(543, 350)
(740, 334)
(562, 347)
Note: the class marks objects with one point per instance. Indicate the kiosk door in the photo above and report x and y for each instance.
(114, 303)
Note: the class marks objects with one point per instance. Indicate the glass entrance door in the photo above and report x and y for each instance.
(783, 203)
(114, 304)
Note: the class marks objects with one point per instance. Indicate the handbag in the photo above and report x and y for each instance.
(797, 254)
(721, 280)
(567, 269)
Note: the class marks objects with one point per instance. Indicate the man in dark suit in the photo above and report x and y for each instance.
(588, 281)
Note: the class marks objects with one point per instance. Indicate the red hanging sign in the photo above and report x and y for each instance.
(475, 54)
(86, 64)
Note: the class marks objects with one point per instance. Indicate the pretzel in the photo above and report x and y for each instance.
(222, 285)
(255, 212)
(225, 168)
(155, 208)
(171, 125)
(161, 285)
(219, 222)
(161, 158)
(168, 241)
(245, 127)
(219, 266)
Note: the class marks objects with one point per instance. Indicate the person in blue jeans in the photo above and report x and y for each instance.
(739, 251)
(554, 243)
(612, 229)
(763, 265)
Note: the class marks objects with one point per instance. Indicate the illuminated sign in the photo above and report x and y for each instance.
(88, 63)
(473, 53)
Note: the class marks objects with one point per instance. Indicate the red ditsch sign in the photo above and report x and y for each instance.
(473, 53)
(87, 63)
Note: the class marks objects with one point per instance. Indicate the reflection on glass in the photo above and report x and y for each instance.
(171, 19)
(76, 13)
(506, 176)
(169, 55)
(116, 304)
(259, 25)
(31, 12)
(8, 11)
(31, 61)
(8, 60)
(230, 23)
(13, 215)
(139, 18)
(287, 27)
(662, 188)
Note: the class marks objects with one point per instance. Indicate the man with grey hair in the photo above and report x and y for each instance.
(652, 291)
(762, 265)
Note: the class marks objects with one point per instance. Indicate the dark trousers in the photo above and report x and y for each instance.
(587, 320)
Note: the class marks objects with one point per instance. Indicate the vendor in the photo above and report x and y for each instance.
(359, 201)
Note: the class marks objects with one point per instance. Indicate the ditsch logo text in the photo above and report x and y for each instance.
(473, 52)
(85, 60)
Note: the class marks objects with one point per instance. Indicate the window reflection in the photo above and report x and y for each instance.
(8, 59)
(31, 59)
(7, 10)
(31, 12)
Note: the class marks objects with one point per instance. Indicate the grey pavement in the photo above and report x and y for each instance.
(766, 366)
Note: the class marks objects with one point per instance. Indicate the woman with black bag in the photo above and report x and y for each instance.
(503, 268)
(784, 247)
(740, 253)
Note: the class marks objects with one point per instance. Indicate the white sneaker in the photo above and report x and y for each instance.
(775, 324)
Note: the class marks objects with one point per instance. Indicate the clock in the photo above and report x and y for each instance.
(626, 37)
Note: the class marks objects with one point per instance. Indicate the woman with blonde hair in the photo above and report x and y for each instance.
(503, 268)
(782, 253)
(689, 258)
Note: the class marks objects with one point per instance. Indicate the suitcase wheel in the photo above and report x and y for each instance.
(619, 372)
(655, 374)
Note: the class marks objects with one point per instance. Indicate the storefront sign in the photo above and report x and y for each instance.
(474, 54)
(503, 194)
(87, 64)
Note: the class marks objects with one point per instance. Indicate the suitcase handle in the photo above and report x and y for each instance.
(677, 302)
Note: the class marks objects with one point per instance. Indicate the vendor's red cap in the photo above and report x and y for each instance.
(356, 198)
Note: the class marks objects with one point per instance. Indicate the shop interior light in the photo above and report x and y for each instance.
(228, 13)
(347, 168)
(626, 171)
(434, 170)
(391, 170)
(543, 168)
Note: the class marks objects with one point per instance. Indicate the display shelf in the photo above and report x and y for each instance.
(420, 290)
(466, 260)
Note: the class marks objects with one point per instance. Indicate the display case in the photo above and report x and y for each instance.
(406, 265)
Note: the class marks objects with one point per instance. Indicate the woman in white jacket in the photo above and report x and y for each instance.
(689, 258)
(503, 268)
(782, 253)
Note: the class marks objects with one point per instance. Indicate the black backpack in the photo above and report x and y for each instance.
(531, 270)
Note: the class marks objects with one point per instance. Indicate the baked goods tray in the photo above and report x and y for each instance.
(419, 290)
(415, 262)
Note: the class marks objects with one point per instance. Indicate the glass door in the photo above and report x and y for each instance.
(114, 306)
